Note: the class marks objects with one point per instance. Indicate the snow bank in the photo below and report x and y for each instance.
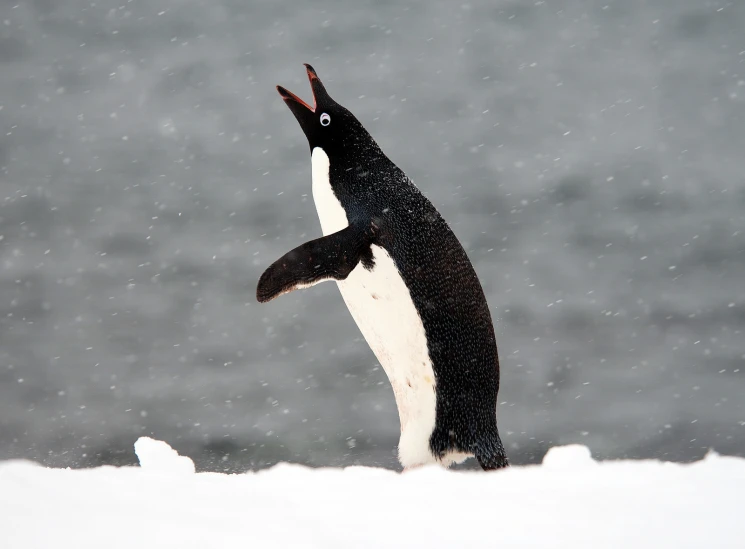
(569, 501)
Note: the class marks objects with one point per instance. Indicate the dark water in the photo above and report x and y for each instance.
(589, 155)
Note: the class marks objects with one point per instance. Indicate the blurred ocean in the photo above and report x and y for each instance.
(589, 155)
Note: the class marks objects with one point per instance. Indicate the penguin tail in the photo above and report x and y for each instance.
(485, 445)
(492, 462)
(491, 456)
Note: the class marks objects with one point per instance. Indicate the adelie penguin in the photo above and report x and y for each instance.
(406, 281)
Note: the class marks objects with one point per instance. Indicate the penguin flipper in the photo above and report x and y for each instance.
(331, 257)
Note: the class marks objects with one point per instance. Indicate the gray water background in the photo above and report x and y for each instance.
(589, 155)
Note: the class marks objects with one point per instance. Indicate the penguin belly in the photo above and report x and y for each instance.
(381, 305)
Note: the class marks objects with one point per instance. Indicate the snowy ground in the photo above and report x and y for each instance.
(568, 501)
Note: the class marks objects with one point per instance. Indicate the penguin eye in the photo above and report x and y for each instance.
(325, 119)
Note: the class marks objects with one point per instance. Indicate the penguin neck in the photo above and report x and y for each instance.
(355, 152)
(350, 175)
(331, 213)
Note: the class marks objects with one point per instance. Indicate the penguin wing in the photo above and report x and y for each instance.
(331, 257)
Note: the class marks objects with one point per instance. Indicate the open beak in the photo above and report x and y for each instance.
(290, 97)
(302, 110)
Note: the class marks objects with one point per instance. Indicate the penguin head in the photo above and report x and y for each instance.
(327, 124)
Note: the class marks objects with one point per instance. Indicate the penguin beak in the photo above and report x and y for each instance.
(302, 110)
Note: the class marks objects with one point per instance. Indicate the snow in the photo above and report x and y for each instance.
(156, 456)
(569, 501)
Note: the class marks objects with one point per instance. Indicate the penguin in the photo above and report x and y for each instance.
(407, 283)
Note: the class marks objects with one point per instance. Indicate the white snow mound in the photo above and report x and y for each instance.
(157, 456)
(570, 501)
(568, 458)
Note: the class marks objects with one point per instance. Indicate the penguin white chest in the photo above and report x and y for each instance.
(381, 305)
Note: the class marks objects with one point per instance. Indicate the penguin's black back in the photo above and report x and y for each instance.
(446, 293)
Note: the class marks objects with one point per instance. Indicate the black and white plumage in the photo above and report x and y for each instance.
(408, 284)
